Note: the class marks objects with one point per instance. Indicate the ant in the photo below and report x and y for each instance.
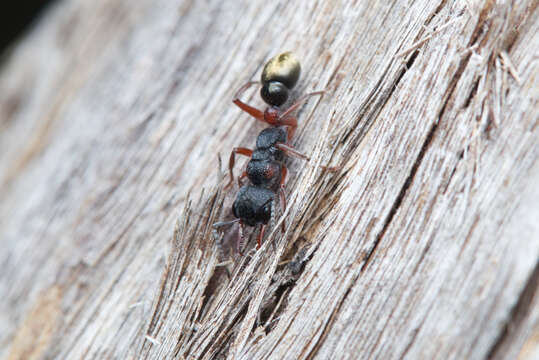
(265, 169)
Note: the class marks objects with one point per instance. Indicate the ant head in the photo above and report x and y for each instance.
(253, 205)
(280, 74)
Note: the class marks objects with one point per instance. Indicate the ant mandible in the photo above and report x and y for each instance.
(265, 169)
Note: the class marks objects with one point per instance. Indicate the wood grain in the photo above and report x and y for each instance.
(424, 245)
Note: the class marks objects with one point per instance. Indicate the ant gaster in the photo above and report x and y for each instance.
(265, 170)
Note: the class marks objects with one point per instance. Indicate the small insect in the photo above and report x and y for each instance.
(265, 170)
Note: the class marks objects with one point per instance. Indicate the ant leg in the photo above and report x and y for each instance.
(254, 112)
(284, 173)
(286, 119)
(260, 236)
(291, 124)
(224, 223)
(302, 100)
(241, 239)
(240, 178)
(232, 161)
(219, 238)
(282, 196)
(272, 221)
(290, 151)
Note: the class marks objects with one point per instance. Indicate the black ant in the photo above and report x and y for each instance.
(265, 169)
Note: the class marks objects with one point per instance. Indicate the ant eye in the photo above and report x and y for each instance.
(274, 93)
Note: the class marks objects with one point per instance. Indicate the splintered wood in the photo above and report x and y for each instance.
(425, 245)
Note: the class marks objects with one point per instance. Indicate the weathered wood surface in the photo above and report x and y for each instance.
(425, 245)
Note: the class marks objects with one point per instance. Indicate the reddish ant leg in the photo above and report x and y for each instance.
(290, 151)
(240, 178)
(302, 100)
(284, 174)
(244, 87)
(282, 197)
(291, 124)
(254, 112)
(286, 119)
(260, 236)
(232, 161)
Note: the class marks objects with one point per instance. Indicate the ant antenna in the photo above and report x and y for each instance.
(224, 223)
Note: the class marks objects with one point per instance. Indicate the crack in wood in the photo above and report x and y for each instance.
(472, 94)
(451, 88)
(517, 315)
(380, 104)
(275, 299)
(195, 311)
(407, 67)
(398, 201)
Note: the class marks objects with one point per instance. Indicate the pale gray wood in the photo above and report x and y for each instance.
(424, 245)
